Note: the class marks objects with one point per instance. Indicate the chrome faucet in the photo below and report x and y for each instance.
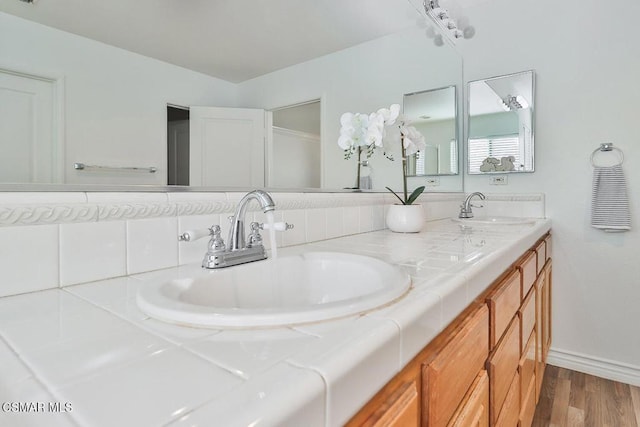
(465, 208)
(238, 251)
(236, 234)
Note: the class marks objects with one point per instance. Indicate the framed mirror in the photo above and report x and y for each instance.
(501, 115)
(108, 107)
(433, 114)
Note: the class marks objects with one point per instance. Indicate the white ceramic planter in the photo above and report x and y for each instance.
(405, 218)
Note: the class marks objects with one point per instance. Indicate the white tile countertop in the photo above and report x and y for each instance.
(85, 355)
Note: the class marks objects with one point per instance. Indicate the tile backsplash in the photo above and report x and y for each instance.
(54, 239)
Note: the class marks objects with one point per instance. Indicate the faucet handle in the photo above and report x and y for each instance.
(192, 235)
(255, 239)
(277, 226)
(216, 244)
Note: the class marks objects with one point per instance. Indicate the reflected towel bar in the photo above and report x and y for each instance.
(82, 166)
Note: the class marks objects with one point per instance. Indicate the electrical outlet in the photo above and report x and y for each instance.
(433, 181)
(499, 180)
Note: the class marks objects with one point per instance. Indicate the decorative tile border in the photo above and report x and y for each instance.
(34, 215)
(31, 208)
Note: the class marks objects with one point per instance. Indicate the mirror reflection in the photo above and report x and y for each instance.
(105, 106)
(500, 133)
(433, 114)
(293, 151)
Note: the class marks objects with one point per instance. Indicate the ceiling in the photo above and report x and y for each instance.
(234, 40)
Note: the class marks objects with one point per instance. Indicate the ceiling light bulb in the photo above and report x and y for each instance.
(469, 32)
(522, 101)
(440, 13)
(430, 5)
(449, 24)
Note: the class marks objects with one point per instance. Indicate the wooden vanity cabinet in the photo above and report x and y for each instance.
(486, 367)
(444, 376)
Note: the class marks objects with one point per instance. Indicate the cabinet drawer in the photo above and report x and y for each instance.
(528, 269)
(542, 255)
(510, 413)
(400, 409)
(528, 405)
(474, 411)
(449, 376)
(503, 305)
(527, 365)
(527, 315)
(502, 365)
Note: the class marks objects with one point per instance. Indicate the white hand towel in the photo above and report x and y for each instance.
(609, 202)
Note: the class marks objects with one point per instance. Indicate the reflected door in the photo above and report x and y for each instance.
(226, 147)
(27, 144)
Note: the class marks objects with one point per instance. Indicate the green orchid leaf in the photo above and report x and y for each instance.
(394, 193)
(415, 194)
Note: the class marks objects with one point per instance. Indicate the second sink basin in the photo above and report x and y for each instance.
(497, 220)
(289, 290)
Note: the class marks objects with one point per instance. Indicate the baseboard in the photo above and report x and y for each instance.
(609, 369)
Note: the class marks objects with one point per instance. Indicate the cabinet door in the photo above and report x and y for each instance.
(502, 366)
(540, 318)
(503, 305)
(528, 271)
(527, 367)
(400, 409)
(546, 312)
(474, 411)
(528, 405)
(510, 412)
(449, 376)
(527, 315)
(541, 251)
(548, 247)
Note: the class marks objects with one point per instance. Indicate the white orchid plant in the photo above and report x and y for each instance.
(367, 132)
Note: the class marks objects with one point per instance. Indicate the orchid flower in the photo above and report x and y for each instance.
(359, 130)
(390, 114)
(375, 130)
(353, 132)
(412, 140)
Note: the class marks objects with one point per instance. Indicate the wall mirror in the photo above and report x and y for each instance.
(108, 106)
(500, 124)
(434, 114)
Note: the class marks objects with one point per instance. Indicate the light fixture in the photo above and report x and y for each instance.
(512, 103)
(442, 19)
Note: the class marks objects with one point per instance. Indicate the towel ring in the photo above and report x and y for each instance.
(607, 147)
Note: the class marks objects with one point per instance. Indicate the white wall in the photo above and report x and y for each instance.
(115, 100)
(586, 59)
(360, 79)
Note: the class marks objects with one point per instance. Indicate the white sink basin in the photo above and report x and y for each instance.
(496, 220)
(290, 290)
